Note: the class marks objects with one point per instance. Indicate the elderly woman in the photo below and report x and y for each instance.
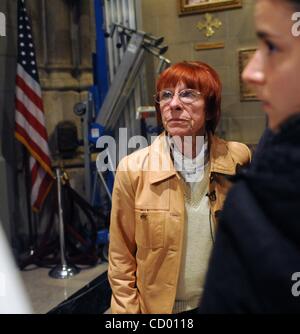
(167, 198)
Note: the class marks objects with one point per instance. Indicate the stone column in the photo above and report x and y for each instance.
(34, 8)
(58, 69)
(85, 42)
(58, 34)
(85, 34)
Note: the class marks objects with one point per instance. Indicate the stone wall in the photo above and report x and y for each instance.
(242, 121)
(8, 188)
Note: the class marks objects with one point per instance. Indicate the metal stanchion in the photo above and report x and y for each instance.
(62, 270)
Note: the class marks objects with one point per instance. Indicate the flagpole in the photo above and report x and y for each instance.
(32, 237)
(62, 270)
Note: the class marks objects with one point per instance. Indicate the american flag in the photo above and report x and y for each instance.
(30, 127)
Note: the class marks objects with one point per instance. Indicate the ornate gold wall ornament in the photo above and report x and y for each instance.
(209, 24)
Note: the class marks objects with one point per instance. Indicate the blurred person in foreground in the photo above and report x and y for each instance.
(255, 264)
(13, 295)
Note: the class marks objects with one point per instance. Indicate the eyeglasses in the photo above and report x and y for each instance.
(186, 96)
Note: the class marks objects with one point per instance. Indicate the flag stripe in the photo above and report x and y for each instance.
(25, 91)
(37, 183)
(33, 169)
(27, 115)
(30, 82)
(22, 136)
(38, 142)
(43, 192)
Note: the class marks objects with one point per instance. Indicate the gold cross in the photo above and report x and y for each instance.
(209, 23)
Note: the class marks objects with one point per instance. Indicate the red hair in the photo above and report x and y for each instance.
(200, 76)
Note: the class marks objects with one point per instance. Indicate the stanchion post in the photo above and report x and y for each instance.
(62, 270)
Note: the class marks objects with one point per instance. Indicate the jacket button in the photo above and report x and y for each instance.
(212, 196)
(143, 216)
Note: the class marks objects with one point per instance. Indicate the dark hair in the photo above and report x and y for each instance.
(200, 76)
(295, 3)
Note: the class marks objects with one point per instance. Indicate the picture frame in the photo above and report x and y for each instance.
(246, 91)
(187, 7)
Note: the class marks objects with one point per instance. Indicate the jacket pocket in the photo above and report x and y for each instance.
(149, 228)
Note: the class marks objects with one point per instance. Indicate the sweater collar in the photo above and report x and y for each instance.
(162, 167)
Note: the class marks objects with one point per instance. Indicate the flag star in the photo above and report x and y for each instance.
(29, 36)
(23, 53)
(33, 62)
(33, 71)
(31, 45)
(24, 62)
(21, 27)
(31, 54)
(21, 35)
(22, 44)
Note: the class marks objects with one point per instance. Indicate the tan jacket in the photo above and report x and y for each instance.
(147, 223)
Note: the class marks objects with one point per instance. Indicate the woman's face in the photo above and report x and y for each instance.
(181, 119)
(274, 71)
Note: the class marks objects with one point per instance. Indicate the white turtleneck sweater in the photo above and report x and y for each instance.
(197, 240)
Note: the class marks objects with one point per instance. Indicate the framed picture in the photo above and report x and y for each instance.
(247, 93)
(199, 6)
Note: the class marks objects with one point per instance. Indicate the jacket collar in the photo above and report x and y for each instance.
(162, 167)
(220, 159)
(161, 164)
